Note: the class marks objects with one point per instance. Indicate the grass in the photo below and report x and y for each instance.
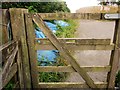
(68, 31)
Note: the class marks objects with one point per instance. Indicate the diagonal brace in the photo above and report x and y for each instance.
(65, 53)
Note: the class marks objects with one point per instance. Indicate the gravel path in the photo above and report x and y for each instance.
(98, 30)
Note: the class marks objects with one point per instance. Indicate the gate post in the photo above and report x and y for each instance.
(30, 32)
(115, 54)
(19, 34)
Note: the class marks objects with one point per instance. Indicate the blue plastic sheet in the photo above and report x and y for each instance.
(48, 55)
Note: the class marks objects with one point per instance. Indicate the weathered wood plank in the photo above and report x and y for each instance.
(114, 60)
(73, 47)
(32, 53)
(119, 43)
(75, 44)
(60, 16)
(11, 73)
(7, 45)
(19, 33)
(78, 41)
(6, 50)
(64, 52)
(70, 85)
(8, 64)
(25, 63)
(70, 69)
(20, 70)
(5, 19)
(1, 30)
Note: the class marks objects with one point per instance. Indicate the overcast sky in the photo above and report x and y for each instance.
(76, 4)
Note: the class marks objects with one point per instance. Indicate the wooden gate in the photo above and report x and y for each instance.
(23, 23)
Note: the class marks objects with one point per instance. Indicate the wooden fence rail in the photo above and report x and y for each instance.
(60, 16)
(70, 69)
(9, 68)
(70, 85)
(76, 44)
(7, 49)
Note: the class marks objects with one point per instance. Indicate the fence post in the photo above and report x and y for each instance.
(114, 60)
(18, 30)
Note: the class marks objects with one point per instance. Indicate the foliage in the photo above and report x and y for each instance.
(9, 86)
(41, 7)
(117, 81)
(68, 31)
(107, 3)
(52, 76)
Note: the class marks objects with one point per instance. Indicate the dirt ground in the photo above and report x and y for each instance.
(97, 30)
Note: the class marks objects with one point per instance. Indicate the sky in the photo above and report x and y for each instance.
(73, 5)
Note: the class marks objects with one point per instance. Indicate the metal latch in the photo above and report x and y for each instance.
(112, 16)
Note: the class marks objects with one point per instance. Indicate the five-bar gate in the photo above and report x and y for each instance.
(23, 31)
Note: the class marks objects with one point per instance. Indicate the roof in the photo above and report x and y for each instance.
(98, 9)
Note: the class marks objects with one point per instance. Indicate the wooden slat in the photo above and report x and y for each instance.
(7, 45)
(60, 16)
(64, 52)
(6, 50)
(70, 69)
(70, 85)
(114, 60)
(8, 64)
(72, 47)
(75, 44)
(20, 69)
(31, 48)
(78, 41)
(5, 19)
(1, 29)
(11, 73)
(119, 42)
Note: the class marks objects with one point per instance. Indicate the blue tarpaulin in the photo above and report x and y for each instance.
(48, 55)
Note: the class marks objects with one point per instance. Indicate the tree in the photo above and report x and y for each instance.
(41, 7)
(109, 2)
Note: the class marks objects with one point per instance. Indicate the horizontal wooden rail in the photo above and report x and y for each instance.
(70, 85)
(70, 69)
(73, 47)
(78, 41)
(11, 73)
(60, 16)
(75, 44)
